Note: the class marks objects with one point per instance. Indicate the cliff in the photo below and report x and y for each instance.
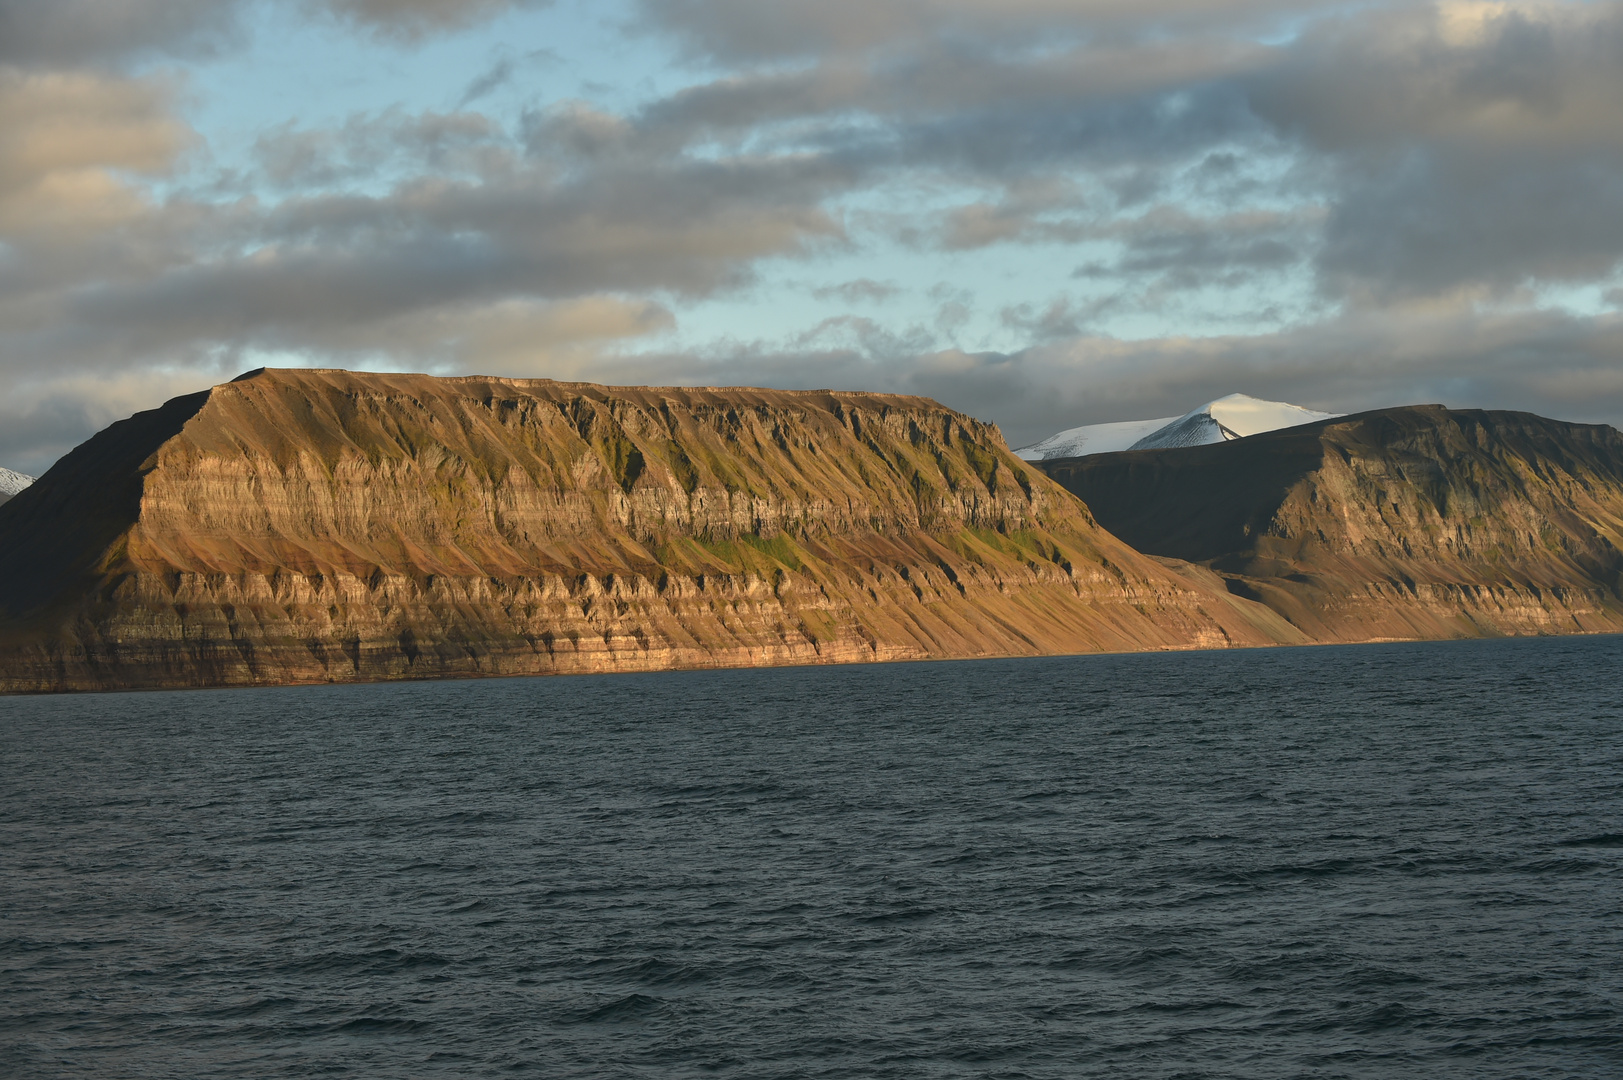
(300, 526)
(1416, 522)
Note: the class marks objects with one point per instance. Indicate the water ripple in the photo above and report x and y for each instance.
(1351, 862)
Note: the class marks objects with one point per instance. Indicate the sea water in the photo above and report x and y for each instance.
(1377, 861)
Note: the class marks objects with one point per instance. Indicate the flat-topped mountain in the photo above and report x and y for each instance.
(1417, 522)
(308, 525)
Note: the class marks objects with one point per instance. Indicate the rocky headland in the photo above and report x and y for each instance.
(312, 526)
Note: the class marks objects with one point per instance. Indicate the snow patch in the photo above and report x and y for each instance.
(1232, 417)
(12, 482)
(1092, 439)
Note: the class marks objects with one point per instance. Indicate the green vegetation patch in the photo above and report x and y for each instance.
(682, 467)
(819, 626)
(624, 459)
(724, 551)
(779, 547)
(984, 462)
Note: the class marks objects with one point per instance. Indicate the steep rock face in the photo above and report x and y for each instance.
(1418, 522)
(300, 526)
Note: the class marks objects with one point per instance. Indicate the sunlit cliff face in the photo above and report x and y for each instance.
(313, 526)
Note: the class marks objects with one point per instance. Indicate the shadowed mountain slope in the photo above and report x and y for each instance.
(297, 526)
(1416, 522)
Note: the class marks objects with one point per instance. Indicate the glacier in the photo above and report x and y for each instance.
(1231, 417)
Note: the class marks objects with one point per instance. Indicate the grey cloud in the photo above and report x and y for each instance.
(576, 131)
(1466, 147)
(54, 33)
(74, 33)
(850, 335)
(325, 270)
(1454, 146)
(753, 30)
(1545, 74)
(1065, 317)
(34, 436)
(1061, 318)
(971, 106)
(1433, 222)
(1415, 158)
(1547, 362)
(372, 148)
(1551, 363)
(411, 20)
(1181, 252)
(1166, 246)
(488, 81)
(861, 291)
(43, 418)
(502, 71)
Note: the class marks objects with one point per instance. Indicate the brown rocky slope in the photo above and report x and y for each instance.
(305, 526)
(1417, 522)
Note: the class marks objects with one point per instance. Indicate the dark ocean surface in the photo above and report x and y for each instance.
(1377, 861)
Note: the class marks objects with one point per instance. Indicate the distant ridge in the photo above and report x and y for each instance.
(1232, 417)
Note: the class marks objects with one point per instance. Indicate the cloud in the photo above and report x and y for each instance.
(474, 228)
(501, 72)
(860, 291)
(1412, 175)
(79, 33)
(1061, 318)
(1552, 363)
(72, 33)
(755, 30)
(1469, 147)
(43, 418)
(412, 20)
(51, 123)
(1446, 147)
(372, 148)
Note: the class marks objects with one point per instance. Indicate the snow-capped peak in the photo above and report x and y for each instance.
(12, 482)
(1231, 417)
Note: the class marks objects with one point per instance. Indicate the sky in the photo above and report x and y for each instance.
(1042, 212)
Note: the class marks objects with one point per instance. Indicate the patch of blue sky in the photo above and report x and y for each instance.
(313, 75)
(1285, 27)
(316, 74)
(1587, 300)
(981, 300)
(999, 288)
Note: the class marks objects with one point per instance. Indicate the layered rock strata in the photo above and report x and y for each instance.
(309, 526)
(1417, 522)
